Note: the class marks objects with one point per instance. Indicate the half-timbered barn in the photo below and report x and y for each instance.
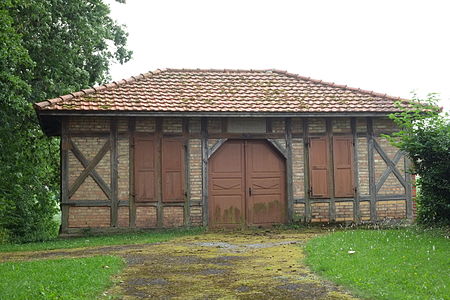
(225, 148)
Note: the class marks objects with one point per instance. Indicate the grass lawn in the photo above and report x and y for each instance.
(75, 278)
(90, 241)
(387, 264)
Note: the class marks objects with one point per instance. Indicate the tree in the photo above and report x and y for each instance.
(425, 137)
(47, 48)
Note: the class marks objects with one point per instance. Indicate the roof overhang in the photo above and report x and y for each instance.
(51, 120)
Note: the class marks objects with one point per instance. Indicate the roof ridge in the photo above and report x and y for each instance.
(332, 84)
(94, 89)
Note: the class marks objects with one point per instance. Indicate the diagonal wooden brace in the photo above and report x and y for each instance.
(89, 169)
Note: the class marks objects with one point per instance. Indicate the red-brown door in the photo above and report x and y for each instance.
(246, 185)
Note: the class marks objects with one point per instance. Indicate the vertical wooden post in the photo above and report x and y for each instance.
(204, 135)
(158, 171)
(306, 170)
(114, 172)
(371, 164)
(64, 173)
(356, 209)
(131, 188)
(408, 188)
(329, 128)
(187, 193)
(289, 181)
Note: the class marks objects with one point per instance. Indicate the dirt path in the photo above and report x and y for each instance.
(226, 265)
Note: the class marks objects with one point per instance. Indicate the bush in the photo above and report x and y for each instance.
(425, 137)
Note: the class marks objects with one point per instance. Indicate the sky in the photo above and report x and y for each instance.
(393, 47)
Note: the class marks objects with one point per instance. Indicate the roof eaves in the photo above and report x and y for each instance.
(95, 89)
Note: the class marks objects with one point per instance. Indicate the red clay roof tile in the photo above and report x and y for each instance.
(195, 90)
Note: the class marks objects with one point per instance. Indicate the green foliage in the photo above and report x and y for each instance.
(406, 263)
(145, 237)
(425, 137)
(75, 278)
(47, 48)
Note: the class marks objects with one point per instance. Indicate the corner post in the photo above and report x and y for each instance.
(204, 135)
(371, 164)
(306, 170)
(356, 209)
(290, 191)
(64, 174)
(114, 172)
(131, 195)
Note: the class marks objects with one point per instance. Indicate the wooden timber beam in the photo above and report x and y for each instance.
(85, 163)
(92, 164)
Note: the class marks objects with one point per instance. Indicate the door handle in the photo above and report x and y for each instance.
(249, 191)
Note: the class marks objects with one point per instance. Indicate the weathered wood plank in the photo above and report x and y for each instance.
(289, 172)
(204, 133)
(371, 164)
(64, 175)
(187, 185)
(158, 171)
(216, 146)
(114, 172)
(131, 194)
(356, 208)
(306, 170)
(279, 147)
(93, 163)
(329, 133)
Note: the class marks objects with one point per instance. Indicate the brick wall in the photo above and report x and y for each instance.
(317, 125)
(391, 209)
(341, 125)
(320, 212)
(299, 211)
(123, 216)
(89, 147)
(172, 125)
(297, 125)
(146, 217)
(196, 216)
(123, 168)
(363, 166)
(214, 125)
(83, 217)
(96, 124)
(145, 125)
(364, 208)
(278, 125)
(344, 211)
(298, 169)
(173, 216)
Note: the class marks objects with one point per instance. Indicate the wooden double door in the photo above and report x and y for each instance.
(247, 184)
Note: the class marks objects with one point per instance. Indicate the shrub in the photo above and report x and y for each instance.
(425, 137)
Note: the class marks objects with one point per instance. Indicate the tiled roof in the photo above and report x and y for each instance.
(183, 90)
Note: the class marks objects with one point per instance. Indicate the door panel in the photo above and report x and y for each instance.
(265, 180)
(227, 186)
(246, 185)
